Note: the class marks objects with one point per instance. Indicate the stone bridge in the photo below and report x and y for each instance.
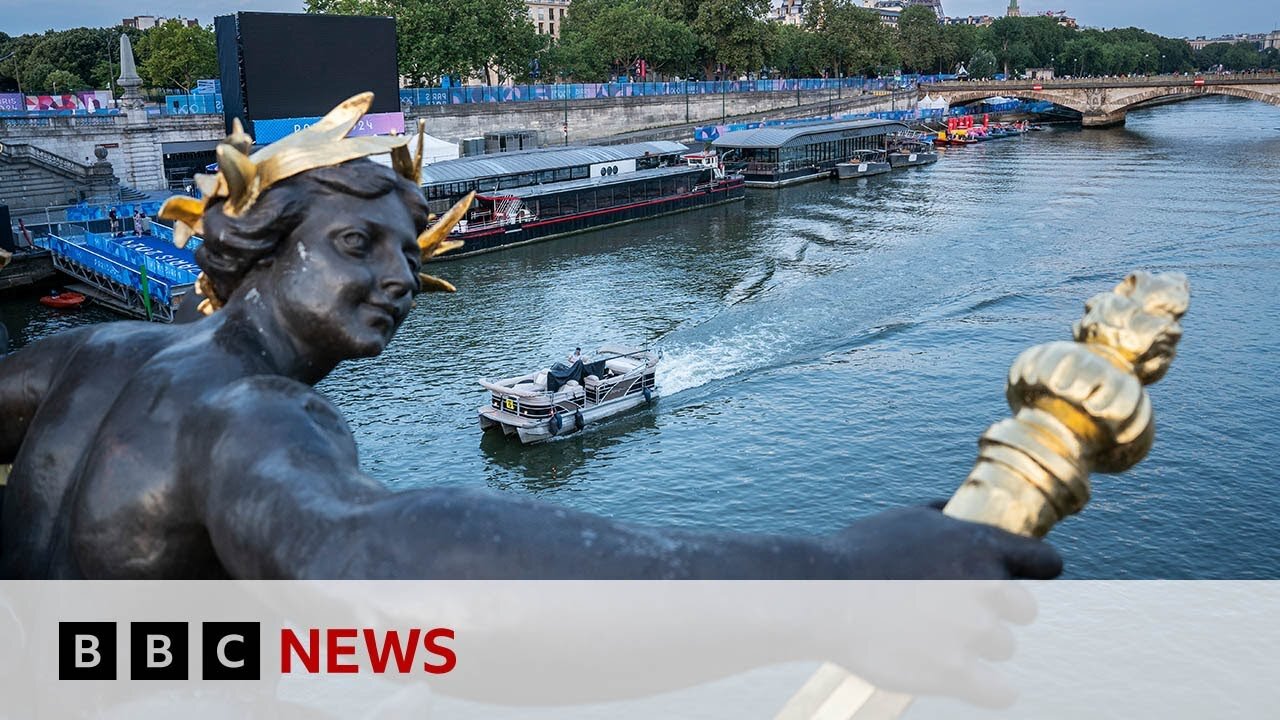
(1106, 101)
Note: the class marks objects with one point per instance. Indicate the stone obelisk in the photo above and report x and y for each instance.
(130, 83)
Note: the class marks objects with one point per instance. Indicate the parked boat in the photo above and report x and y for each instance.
(912, 153)
(566, 398)
(864, 163)
(532, 195)
(62, 300)
(24, 267)
(773, 157)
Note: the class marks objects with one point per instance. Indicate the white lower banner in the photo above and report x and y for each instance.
(620, 650)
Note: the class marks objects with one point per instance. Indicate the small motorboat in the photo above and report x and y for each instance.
(62, 300)
(864, 163)
(911, 154)
(566, 398)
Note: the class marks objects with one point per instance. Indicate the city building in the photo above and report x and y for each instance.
(980, 20)
(787, 12)
(1272, 40)
(547, 15)
(146, 22)
(891, 10)
(1013, 10)
(1061, 17)
(1258, 40)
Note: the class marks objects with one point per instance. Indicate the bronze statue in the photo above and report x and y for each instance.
(203, 451)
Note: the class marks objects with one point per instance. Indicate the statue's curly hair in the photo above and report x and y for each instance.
(234, 245)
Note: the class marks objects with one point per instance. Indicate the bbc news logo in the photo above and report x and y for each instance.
(159, 651)
(233, 651)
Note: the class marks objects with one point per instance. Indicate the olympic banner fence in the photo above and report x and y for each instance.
(576, 650)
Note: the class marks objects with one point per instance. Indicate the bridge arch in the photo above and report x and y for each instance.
(1127, 103)
(960, 98)
(1108, 105)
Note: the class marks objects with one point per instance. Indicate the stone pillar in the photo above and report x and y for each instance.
(1103, 119)
(102, 178)
(130, 84)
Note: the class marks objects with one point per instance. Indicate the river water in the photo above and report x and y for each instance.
(832, 350)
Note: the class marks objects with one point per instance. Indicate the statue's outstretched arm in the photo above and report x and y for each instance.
(276, 471)
(25, 379)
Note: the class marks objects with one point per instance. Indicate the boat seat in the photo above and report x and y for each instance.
(622, 366)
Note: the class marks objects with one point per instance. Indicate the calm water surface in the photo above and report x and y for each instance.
(832, 350)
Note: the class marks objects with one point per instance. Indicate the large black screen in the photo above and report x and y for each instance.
(298, 66)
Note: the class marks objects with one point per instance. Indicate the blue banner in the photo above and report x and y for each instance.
(468, 94)
(196, 104)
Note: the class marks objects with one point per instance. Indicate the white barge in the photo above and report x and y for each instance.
(566, 398)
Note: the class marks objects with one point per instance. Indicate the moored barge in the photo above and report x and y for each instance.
(773, 157)
(533, 195)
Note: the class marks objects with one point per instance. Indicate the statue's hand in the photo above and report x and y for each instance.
(920, 543)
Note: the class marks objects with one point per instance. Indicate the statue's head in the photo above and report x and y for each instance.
(308, 228)
(333, 251)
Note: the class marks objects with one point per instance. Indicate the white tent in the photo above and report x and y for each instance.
(932, 103)
(434, 150)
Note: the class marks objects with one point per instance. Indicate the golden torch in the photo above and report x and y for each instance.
(1078, 407)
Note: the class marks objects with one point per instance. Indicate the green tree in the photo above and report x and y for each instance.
(982, 64)
(1175, 55)
(920, 39)
(176, 56)
(601, 37)
(796, 52)
(735, 34)
(60, 81)
(1022, 42)
(1242, 56)
(851, 39)
(35, 77)
(458, 38)
(959, 42)
(78, 51)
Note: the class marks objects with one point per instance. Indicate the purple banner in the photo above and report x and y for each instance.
(12, 102)
(379, 124)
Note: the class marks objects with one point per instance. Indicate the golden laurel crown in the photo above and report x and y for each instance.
(242, 178)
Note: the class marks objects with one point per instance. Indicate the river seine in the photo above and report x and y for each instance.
(832, 350)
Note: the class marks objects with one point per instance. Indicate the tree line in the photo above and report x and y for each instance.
(605, 39)
(169, 56)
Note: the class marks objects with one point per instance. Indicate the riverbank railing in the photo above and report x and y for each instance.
(708, 133)
(469, 94)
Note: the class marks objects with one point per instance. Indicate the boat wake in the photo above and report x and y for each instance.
(692, 365)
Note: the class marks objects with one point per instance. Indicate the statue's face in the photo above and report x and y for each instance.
(343, 280)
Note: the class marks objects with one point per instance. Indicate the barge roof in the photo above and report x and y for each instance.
(531, 191)
(525, 161)
(776, 137)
